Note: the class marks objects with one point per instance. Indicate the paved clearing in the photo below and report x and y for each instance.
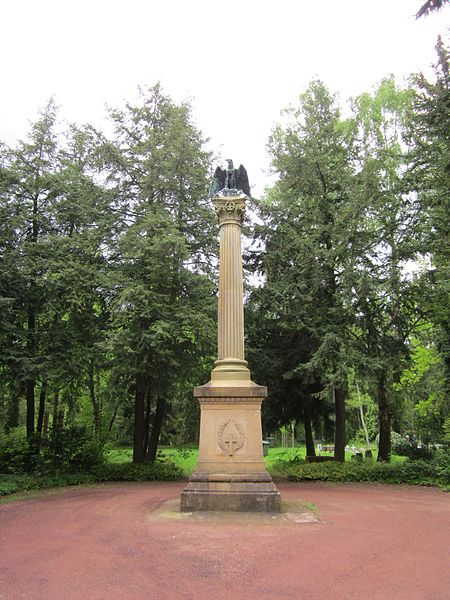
(119, 542)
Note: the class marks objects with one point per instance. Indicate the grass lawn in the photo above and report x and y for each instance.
(187, 458)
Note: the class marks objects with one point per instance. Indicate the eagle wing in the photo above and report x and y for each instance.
(242, 180)
(218, 182)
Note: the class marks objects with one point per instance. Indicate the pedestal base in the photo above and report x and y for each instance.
(237, 493)
(231, 473)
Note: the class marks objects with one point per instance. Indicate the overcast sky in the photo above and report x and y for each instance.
(240, 62)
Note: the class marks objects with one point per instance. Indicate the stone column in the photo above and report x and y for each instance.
(230, 473)
(230, 362)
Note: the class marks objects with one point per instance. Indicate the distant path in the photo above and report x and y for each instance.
(371, 542)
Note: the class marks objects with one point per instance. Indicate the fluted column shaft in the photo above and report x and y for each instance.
(230, 335)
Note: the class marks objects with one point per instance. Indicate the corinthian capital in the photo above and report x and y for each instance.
(229, 209)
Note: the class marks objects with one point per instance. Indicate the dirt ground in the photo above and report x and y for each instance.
(119, 542)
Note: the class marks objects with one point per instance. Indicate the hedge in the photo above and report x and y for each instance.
(164, 471)
(416, 472)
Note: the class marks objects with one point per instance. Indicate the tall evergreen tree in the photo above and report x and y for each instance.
(30, 190)
(162, 301)
(308, 244)
(384, 297)
(51, 259)
(429, 177)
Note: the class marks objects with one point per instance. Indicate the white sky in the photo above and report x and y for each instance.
(239, 61)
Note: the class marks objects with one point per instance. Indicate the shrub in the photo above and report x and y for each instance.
(402, 447)
(8, 486)
(422, 453)
(17, 454)
(420, 472)
(446, 430)
(398, 443)
(72, 449)
(159, 471)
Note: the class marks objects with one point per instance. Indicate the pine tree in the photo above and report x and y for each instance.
(162, 302)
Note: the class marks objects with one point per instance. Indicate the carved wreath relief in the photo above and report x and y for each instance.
(230, 436)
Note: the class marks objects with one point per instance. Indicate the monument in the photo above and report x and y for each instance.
(230, 473)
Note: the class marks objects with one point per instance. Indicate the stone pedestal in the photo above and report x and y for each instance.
(230, 473)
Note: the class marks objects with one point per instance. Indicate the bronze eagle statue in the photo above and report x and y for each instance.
(231, 179)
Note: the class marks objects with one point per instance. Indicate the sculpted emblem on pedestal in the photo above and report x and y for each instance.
(230, 437)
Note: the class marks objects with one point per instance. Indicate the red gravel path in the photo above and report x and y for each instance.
(371, 542)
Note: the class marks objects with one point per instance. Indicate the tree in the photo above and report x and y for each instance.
(360, 400)
(307, 237)
(161, 307)
(429, 176)
(385, 299)
(55, 228)
(276, 346)
(421, 386)
(430, 6)
(30, 190)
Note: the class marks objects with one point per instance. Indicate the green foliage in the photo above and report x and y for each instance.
(428, 417)
(446, 429)
(417, 472)
(364, 416)
(429, 177)
(8, 486)
(106, 275)
(108, 255)
(299, 324)
(421, 388)
(160, 471)
(402, 447)
(165, 471)
(423, 357)
(71, 450)
(11, 484)
(162, 305)
(16, 453)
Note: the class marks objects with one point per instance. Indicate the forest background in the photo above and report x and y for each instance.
(108, 276)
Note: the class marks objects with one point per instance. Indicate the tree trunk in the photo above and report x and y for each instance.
(339, 432)
(29, 387)
(384, 419)
(99, 396)
(328, 430)
(12, 419)
(45, 428)
(30, 383)
(310, 449)
(139, 419)
(363, 423)
(156, 429)
(41, 412)
(60, 421)
(147, 419)
(94, 400)
(31, 327)
(113, 418)
(363, 420)
(55, 412)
